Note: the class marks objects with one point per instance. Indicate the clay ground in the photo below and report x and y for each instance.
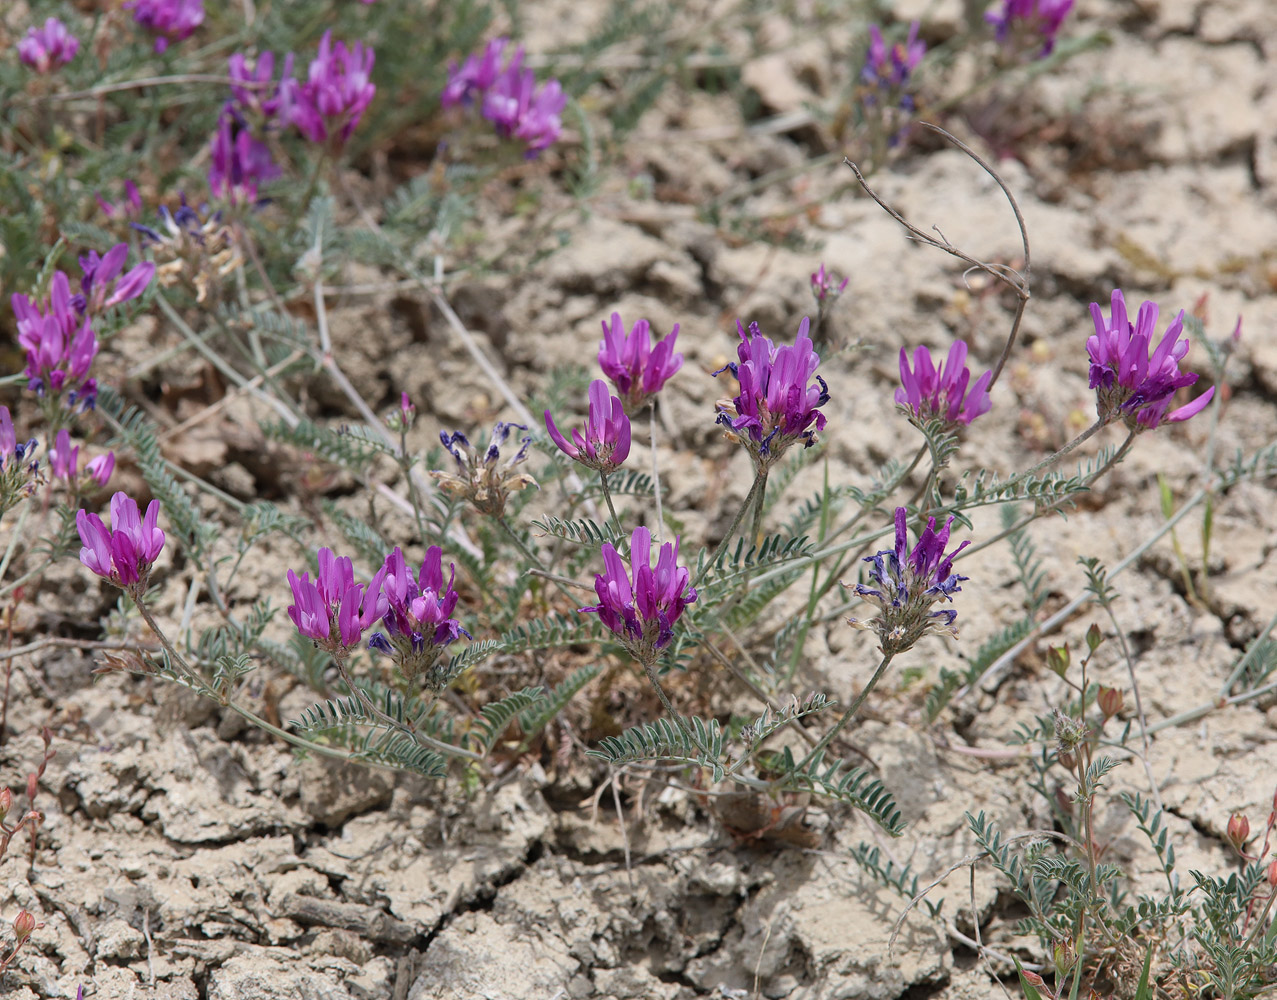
(184, 857)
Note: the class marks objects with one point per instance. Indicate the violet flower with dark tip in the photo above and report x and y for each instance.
(238, 162)
(46, 48)
(99, 288)
(19, 474)
(169, 20)
(606, 441)
(1030, 23)
(908, 583)
(928, 392)
(335, 611)
(641, 608)
(775, 406)
(125, 552)
(889, 68)
(637, 368)
(482, 478)
(1132, 383)
(337, 91)
(418, 618)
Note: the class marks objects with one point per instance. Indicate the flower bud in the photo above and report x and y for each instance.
(1057, 659)
(1094, 637)
(1110, 701)
(23, 924)
(6, 801)
(1238, 830)
(33, 786)
(1272, 874)
(1067, 759)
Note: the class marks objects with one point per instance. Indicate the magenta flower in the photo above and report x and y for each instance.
(642, 613)
(99, 469)
(96, 291)
(418, 619)
(129, 208)
(822, 285)
(606, 441)
(508, 96)
(890, 68)
(238, 162)
(125, 552)
(255, 90)
(1026, 23)
(63, 459)
(18, 475)
(1129, 381)
(336, 93)
(638, 369)
(775, 407)
(335, 611)
(908, 584)
(45, 48)
(60, 345)
(169, 20)
(929, 392)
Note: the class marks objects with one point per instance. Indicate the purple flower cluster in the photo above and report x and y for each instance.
(44, 49)
(482, 478)
(638, 369)
(64, 461)
(255, 91)
(508, 96)
(929, 392)
(18, 472)
(333, 610)
(641, 607)
(338, 88)
(1028, 23)
(606, 441)
(822, 285)
(168, 20)
(418, 618)
(888, 68)
(908, 583)
(775, 406)
(239, 162)
(58, 334)
(124, 552)
(1131, 382)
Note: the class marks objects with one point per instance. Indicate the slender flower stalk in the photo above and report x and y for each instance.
(928, 392)
(638, 368)
(908, 583)
(1130, 382)
(605, 444)
(125, 552)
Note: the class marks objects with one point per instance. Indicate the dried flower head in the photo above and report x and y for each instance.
(908, 582)
(775, 406)
(1132, 383)
(606, 441)
(482, 478)
(641, 608)
(125, 552)
(46, 48)
(637, 368)
(418, 618)
(192, 247)
(928, 392)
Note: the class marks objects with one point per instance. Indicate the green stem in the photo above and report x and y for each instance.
(607, 495)
(532, 558)
(849, 714)
(740, 514)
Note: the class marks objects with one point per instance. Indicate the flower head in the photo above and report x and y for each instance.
(98, 287)
(1131, 382)
(775, 406)
(333, 610)
(822, 285)
(239, 162)
(908, 583)
(337, 91)
(99, 469)
(45, 48)
(929, 392)
(482, 478)
(169, 20)
(636, 367)
(124, 552)
(641, 607)
(194, 246)
(255, 91)
(508, 96)
(889, 68)
(1026, 24)
(418, 618)
(606, 441)
(60, 344)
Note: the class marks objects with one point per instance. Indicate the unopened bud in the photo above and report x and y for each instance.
(1110, 701)
(1032, 978)
(1057, 659)
(1272, 874)
(33, 786)
(1094, 637)
(23, 925)
(1238, 830)
(6, 801)
(1067, 759)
